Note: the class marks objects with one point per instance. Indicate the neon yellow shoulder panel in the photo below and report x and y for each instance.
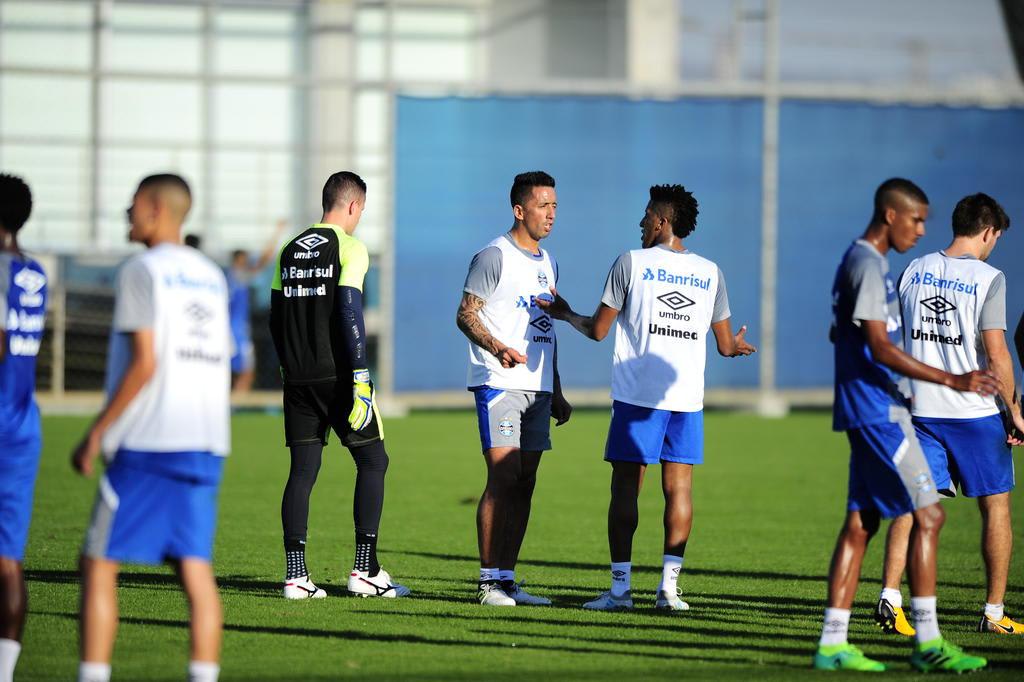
(354, 261)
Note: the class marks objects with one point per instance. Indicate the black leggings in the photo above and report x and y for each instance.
(371, 466)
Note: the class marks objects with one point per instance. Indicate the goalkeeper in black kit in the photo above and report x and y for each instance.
(316, 320)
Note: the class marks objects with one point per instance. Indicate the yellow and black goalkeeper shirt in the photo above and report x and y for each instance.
(306, 303)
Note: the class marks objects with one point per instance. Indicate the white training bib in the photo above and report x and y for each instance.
(661, 336)
(514, 318)
(942, 300)
(185, 405)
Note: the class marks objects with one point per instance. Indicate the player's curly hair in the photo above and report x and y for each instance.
(976, 212)
(677, 206)
(15, 202)
(524, 184)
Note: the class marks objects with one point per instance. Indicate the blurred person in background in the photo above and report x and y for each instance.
(23, 291)
(955, 306)
(240, 274)
(164, 430)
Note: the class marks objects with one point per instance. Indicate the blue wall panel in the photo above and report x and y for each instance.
(833, 156)
(455, 160)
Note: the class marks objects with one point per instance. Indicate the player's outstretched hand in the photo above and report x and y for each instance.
(742, 347)
(509, 357)
(561, 410)
(982, 381)
(362, 400)
(554, 305)
(83, 456)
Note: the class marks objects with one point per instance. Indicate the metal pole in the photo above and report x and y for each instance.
(206, 131)
(100, 29)
(770, 404)
(60, 329)
(302, 122)
(386, 336)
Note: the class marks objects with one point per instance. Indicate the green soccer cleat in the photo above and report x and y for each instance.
(942, 656)
(845, 657)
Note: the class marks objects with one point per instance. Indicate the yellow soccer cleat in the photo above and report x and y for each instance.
(1005, 626)
(892, 619)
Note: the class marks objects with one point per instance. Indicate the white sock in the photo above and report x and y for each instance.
(670, 568)
(507, 574)
(837, 624)
(621, 576)
(926, 621)
(894, 597)
(93, 672)
(203, 671)
(9, 652)
(489, 574)
(994, 611)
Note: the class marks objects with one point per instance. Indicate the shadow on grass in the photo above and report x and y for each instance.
(563, 596)
(579, 566)
(385, 638)
(703, 572)
(168, 581)
(669, 623)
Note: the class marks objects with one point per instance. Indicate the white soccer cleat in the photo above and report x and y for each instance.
(302, 588)
(520, 596)
(671, 602)
(608, 602)
(361, 584)
(491, 594)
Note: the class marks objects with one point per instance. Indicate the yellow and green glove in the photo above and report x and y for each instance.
(362, 400)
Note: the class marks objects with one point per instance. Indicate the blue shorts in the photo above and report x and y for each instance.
(971, 454)
(19, 465)
(888, 470)
(647, 435)
(244, 357)
(155, 506)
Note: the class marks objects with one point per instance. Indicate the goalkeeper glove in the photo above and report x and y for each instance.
(362, 400)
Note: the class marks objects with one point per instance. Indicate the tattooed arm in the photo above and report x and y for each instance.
(470, 324)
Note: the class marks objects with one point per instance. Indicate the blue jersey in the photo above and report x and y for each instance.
(22, 319)
(238, 304)
(866, 392)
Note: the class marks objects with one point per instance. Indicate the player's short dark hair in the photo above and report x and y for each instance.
(524, 184)
(166, 180)
(238, 253)
(677, 206)
(193, 240)
(976, 212)
(893, 186)
(15, 202)
(343, 185)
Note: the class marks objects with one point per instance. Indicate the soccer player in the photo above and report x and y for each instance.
(239, 275)
(164, 430)
(955, 306)
(513, 374)
(316, 320)
(22, 318)
(889, 475)
(665, 299)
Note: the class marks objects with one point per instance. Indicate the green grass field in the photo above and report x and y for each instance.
(768, 504)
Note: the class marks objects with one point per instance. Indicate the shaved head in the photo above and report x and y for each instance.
(171, 191)
(898, 194)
